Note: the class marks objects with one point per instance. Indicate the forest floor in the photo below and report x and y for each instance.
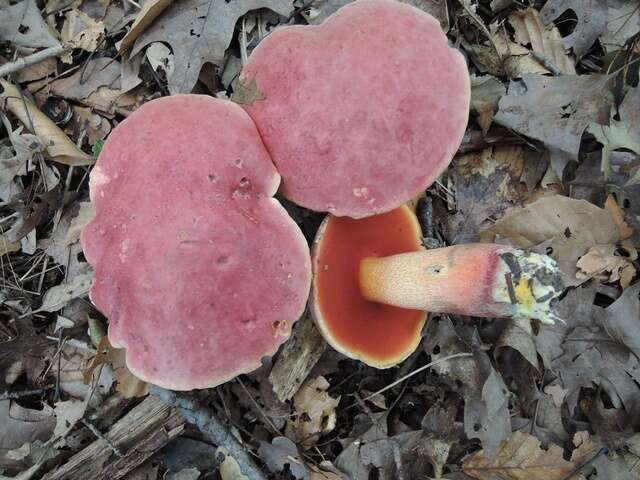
(550, 162)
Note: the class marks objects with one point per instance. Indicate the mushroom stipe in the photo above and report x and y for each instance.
(374, 282)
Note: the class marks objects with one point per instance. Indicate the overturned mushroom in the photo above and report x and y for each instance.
(378, 334)
(362, 112)
(373, 281)
(200, 272)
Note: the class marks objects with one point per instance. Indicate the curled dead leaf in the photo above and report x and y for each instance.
(316, 411)
(230, 469)
(36, 72)
(520, 458)
(562, 227)
(147, 14)
(57, 144)
(546, 40)
(67, 413)
(85, 215)
(601, 262)
(82, 31)
(611, 206)
(57, 297)
(128, 384)
(486, 92)
(7, 246)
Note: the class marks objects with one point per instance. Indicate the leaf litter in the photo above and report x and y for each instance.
(550, 162)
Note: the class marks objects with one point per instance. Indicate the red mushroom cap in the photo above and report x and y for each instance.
(380, 335)
(199, 270)
(362, 112)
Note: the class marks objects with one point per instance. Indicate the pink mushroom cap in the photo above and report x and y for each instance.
(362, 112)
(200, 272)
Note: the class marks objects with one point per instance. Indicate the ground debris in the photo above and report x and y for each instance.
(550, 162)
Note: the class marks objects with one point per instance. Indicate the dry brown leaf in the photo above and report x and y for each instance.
(590, 25)
(19, 425)
(97, 127)
(85, 215)
(601, 262)
(199, 33)
(520, 459)
(485, 95)
(611, 206)
(230, 470)
(437, 451)
(67, 413)
(58, 145)
(322, 475)
(82, 31)
(146, 15)
(99, 359)
(316, 411)
(99, 86)
(128, 384)
(36, 72)
(627, 274)
(74, 358)
(17, 159)
(8, 247)
(563, 227)
(585, 447)
(22, 25)
(515, 58)
(545, 40)
(515, 55)
(556, 111)
(98, 72)
(485, 115)
(557, 393)
(495, 169)
(108, 100)
(57, 297)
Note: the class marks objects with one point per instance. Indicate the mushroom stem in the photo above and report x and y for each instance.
(481, 280)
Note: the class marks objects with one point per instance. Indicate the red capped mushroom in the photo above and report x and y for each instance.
(362, 112)
(373, 283)
(200, 272)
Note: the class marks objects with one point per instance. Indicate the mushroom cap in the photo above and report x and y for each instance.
(362, 112)
(200, 272)
(379, 335)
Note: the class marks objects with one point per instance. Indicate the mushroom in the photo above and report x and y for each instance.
(373, 282)
(200, 272)
(374, 95)
(380, 335)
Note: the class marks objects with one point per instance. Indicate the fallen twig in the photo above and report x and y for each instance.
(98, 434)
(144, 430)
(211, 426)
(546, 63)
(22, 393)
(32, 59)
(416, 371)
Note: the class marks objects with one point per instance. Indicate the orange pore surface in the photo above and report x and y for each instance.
(371, 331)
